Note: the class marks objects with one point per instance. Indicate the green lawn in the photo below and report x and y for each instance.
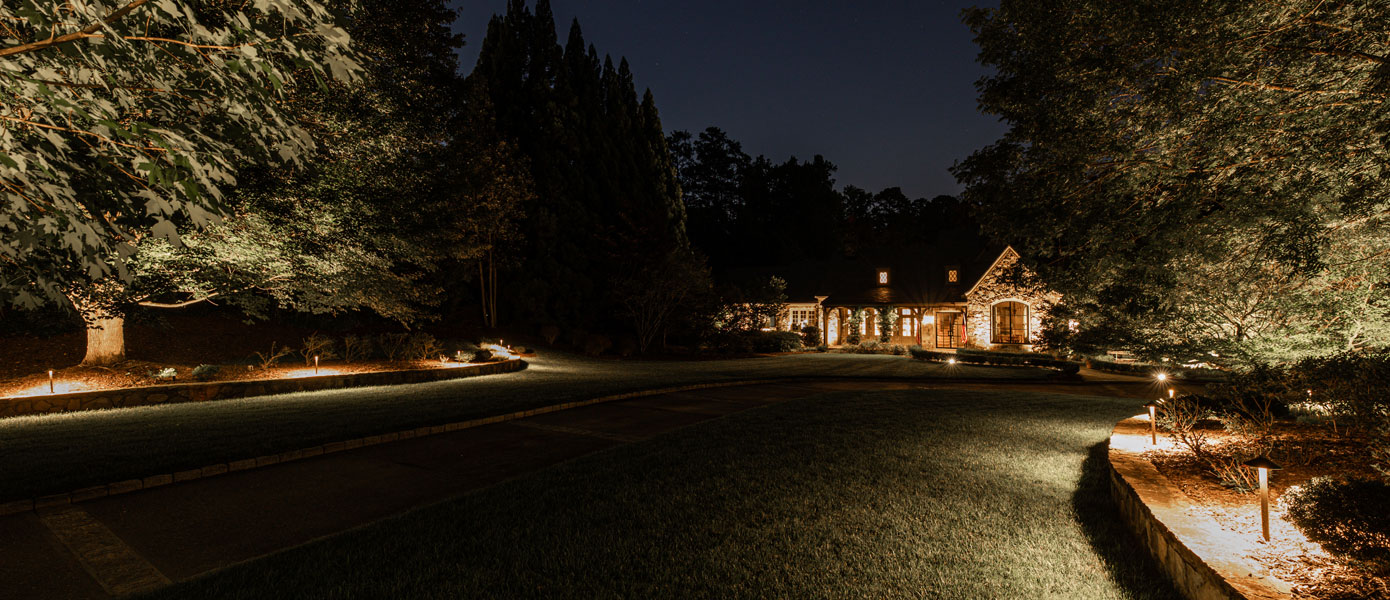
(924, 493)
(58, 453)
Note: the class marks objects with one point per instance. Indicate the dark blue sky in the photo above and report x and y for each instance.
(882, 88)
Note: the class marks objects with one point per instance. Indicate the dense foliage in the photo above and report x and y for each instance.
(125, 121)
(1346, 516)
(1203, 180)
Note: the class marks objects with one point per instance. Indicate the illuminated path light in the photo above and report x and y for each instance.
(1264, 465)
(316, 364)
(50, 381)
(1153, 422)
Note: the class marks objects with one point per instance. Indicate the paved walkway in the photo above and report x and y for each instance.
(126, 544)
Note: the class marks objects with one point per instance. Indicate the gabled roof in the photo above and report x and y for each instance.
(916, 276)
(1007, 254)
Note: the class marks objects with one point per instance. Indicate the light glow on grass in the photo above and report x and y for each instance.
(58, 387)
(316, 372)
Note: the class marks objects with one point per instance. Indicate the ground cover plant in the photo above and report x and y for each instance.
(55, 453)
(936, 493)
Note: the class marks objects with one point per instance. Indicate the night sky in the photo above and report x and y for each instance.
(882, 88)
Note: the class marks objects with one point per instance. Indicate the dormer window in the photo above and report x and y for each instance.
(883, 276)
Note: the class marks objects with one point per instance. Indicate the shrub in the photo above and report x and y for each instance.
(317, 345)
(578, 337)
(626, 346)
(597, 344)
(810, 335)
(1182, 416)
(421, 346)
(822, 348)
(205, 372)
(481, 356)
(776, 341)
(393, 345)
(550, 333)
(356, 348)
(268, 359)
(1347, 516)
(898, 350)
(163, 374)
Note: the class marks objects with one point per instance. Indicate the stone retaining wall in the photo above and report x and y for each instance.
(1203, 562)
(222, 390)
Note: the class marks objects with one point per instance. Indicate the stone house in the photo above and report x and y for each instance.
(939, 301)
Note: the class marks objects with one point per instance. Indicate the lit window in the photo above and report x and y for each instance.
(952, 276)
(882, 277)
(1010, 323)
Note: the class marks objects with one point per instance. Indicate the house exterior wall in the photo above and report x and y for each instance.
(994, 288)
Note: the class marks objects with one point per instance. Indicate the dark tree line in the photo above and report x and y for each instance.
(745, 211)
(607, 207)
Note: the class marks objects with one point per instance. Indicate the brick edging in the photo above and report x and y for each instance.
(154, 481)
(1200, 566)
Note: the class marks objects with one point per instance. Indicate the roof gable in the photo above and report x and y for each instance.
(1008, 255)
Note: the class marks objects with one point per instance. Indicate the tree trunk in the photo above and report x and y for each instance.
(105, 340)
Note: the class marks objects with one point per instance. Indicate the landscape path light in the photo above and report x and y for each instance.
(1264, 465)
(50, 381)
(316, 364)
(1153, 422)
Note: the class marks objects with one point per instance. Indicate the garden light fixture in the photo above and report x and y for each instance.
(951, 361)
(1263, 463)
(1161, 377)
(50, 381)
(1153, 422)
(316, 364)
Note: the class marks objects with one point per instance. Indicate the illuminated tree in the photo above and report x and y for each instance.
(1199, 179)
(124, 121)
(354, 224)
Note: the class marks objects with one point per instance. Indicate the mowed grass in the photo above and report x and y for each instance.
(909, 494)
(58, 453)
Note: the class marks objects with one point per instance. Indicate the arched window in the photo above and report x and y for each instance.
(1010, 323)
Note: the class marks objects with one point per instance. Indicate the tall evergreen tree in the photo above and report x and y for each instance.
(605, 190)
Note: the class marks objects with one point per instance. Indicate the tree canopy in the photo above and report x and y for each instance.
(127, 120)
(1199, 179)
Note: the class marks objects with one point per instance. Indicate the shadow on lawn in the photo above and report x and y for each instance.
(1129, 563)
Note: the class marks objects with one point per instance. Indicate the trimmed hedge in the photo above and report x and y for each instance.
(1149, 370)
(982, 357)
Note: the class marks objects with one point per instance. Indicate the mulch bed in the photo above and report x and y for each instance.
(1307, 451)
(181, 342)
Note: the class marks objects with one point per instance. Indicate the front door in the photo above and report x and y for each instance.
(832, 328)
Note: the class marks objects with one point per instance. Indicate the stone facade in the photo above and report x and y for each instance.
(996, 287)
(203, 392)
